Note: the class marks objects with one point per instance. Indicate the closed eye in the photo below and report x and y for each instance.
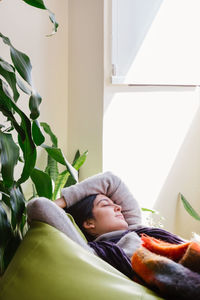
(105, 202)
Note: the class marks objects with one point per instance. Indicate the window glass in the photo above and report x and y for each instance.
(143, 132)
(156, 42)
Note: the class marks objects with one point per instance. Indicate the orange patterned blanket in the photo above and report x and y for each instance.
(173, 271)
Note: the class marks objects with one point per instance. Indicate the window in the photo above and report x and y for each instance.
(145, 126)
(143, 133)
(156, 42)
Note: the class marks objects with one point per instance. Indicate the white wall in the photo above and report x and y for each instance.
(184, 177)
(86, 82)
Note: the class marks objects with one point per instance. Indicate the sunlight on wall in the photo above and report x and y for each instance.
(143, 132)
(169, 53)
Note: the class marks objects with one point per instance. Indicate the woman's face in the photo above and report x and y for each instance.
(107, 217)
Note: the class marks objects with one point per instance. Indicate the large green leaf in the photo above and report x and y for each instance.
(28, 148)
(6, 66)
(24, 131)
(9, 241)
(5, 194)
(60, 183)
(5, 228)
(7, 109)
(57, 154)
(52, 168)
(52, 165)
(4, 190)
(70, 181)
(9, 157)
(37, 134)
(48, 130)
(9, 75)
(23, 65)
(5, 236)
(76, 156)
(13, 244)
(17, 202)
(24, 225)
(29, 151)
(22, 85)
(77, 163)
(43, 183)
(36, 3)
(20, 60)
(5, 103)
(189, 208)
(34, 103)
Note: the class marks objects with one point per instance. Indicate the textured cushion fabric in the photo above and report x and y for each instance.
(49, 265)
(76, 226)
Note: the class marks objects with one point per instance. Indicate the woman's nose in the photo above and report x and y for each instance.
(117, 207)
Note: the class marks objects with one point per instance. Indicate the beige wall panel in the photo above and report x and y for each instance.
(86, 82)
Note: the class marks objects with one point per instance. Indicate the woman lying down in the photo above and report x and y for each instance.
(110, 218)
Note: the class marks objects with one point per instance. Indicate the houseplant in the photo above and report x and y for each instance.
(188, 207)
(20, 137)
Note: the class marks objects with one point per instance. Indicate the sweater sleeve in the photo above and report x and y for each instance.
(110, 185)
(44, 210)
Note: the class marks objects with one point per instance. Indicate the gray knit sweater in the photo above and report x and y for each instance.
(41, 209)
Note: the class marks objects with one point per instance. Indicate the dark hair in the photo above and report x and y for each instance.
(82, 211)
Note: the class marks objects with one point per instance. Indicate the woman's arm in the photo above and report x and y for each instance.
(45, 210)
(110, 185)
(60, 202)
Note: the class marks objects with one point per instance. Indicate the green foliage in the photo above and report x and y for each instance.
(189, 208)
(48, 130)
(148, 210)
(20, 137)
(43, 183)
(52, 165)
(37, 3)
(65, 179)
(38, 137)
(57, 155)
(9, 157)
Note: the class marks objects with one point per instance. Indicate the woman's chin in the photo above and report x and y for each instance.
(123, 225)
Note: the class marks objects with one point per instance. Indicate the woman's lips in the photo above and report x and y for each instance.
(120, 216)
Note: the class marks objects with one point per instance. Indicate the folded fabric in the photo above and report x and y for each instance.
(159, 233)
(171, 270)
(172, 251)
(170, 279)
(191, 258)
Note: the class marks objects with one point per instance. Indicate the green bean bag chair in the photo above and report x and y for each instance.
(49, 265)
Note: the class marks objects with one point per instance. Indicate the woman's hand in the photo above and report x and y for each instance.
(61, 202)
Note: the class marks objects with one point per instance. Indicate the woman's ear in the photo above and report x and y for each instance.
(89, 224)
